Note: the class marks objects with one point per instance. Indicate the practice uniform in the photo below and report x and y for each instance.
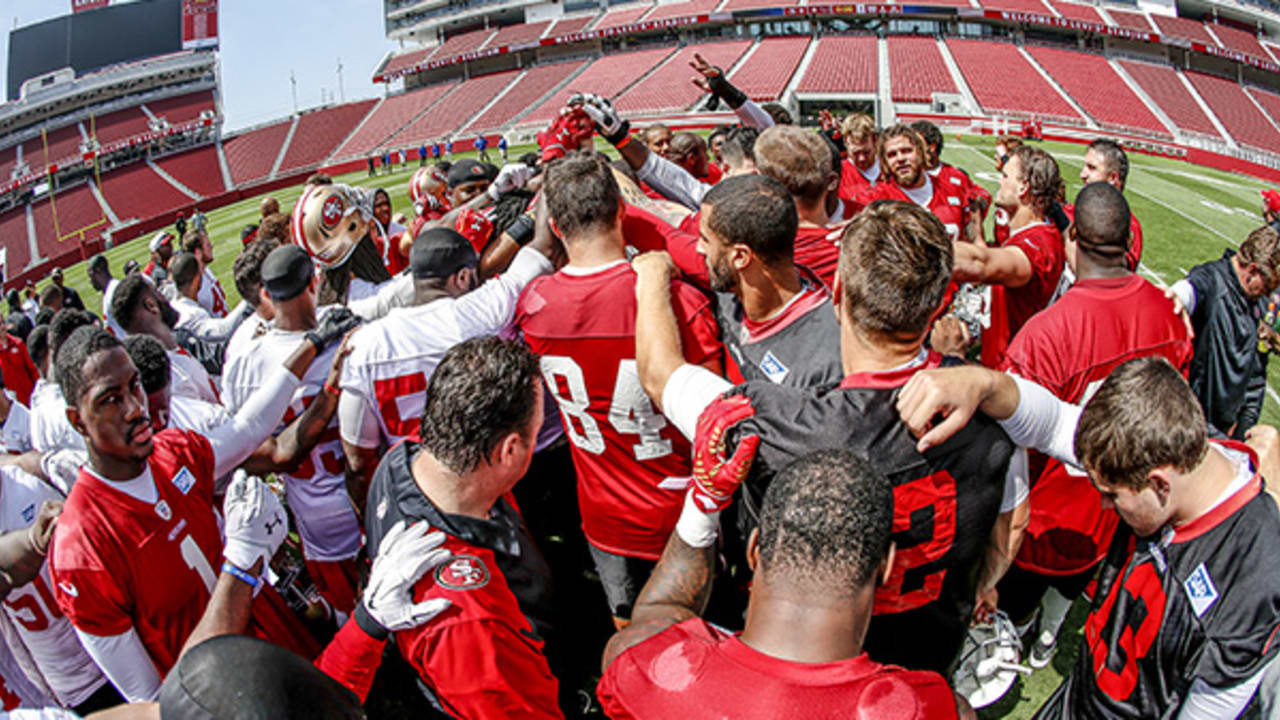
(16, 691)
(1191, 611)
(696, 670)
(1070, 348)
(483, 656)
(389, 246)
(188, 377)
(384, 379)
(15, 434)
(945, 502)
(948, 203)
(211, 296)
(50, 429)
(317, 491)
(1011, 307)
(20, 374)
(632, 466)
(46, 635)
(122, 564)
(854, 181)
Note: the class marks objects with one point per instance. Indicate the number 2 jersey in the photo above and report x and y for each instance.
(632, 465)
(122, 564)
(946, 501)
(1198, 602)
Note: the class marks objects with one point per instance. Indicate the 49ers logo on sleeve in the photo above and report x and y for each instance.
(463, 572)
(331, 211)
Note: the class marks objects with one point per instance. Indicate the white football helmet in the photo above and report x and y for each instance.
(989, 662)
(329, 220)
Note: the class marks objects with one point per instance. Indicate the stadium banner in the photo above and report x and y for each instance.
(199, 24)
(81, 5)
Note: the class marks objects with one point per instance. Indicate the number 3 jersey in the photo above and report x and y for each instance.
(632, 465)
(120, 563)
(1199, 602)
(945, 501)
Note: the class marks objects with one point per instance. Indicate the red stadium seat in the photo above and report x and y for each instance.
(670, 87)
(1183, 28)
(1241, 41)
(462, 43)
(765, 74)
(1132, 20)
(198, 170)
(251, 155)
(518, 33)
(1161, 84)
(605, 76)
(1237, 113)
(451, 113)
(842, 63)
(13, 228)
(63, 147)
(568, 26)
(393, 114)
(1016, 87)
(137, 192)
(680, 9)
(319, 133)
(183, 108)
(408, 59)
(731, 5)
(77, 209)
(118, 125)
(1269, 101)
(1022, 6)
(523, 95)
(622, 15)
(1076, 11)
(916, 69)
(1090, 80)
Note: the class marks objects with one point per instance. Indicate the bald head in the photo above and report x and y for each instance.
(1102, 221)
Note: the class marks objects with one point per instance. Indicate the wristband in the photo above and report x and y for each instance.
(331, 389)
(314, 338)
(623, 143)
(521, 230)
(241, 575)
(365, 621)
(696, 528)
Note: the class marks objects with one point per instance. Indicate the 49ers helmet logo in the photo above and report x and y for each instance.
(331, 213)
(463, 572)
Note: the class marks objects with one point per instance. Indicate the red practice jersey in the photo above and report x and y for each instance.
(853, 182)
(1134, 255)
(818, 248)
(632, 465)
(1012, 307)
(948, 203)
(1070, 348)
(20, 374)
(695, 670)
(120, 563)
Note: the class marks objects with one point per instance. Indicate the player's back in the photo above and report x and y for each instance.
(1070, 348)
(632, 464)
(818, 248)
(695, 670)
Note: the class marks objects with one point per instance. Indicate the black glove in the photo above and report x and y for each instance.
(521, 231)
(336, 323)
(725, 90)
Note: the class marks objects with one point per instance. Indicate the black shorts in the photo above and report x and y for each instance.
(1021, 590)
(622, 578)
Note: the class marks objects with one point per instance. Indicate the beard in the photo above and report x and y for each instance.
(908, 176)
(721, 277)
(168, 315)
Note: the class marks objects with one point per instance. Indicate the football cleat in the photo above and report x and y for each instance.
(989, 662)
(1042, 649)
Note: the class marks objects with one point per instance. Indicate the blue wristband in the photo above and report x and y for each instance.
(241, 575)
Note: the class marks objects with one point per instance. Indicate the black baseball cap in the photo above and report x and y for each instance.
(440, 252)
(286, 272)
(465, 171)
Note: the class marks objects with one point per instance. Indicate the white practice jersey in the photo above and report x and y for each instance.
(15, 434)
(211, 296)
(47, 635)
(188, 377)
(112, 325)
(317, 491)
(50, 429)
(384, 379)
(249, 330)
(16, 691)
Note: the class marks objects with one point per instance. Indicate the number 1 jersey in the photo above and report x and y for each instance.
(632, 465)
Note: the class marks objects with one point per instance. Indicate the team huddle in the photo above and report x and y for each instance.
(809, 428)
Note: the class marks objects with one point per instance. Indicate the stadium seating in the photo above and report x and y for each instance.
(390, 116)
(842, 63)
(137, 192)
(670, 87)
(1132, 20)
(1017, 87)
(462, 43)
(523, 95)
(453, 111)
(1023, 6)
(13, 228)
(916, 69)
(64, 146)
(117, 125)
(518, 33)
(1237, 113)
(77, 209)
(680, 9)
(1272, 50)
(1090, 80)
(568, 26)
(622, 15)
(408, 59)
(1269, 101)
(1241, 41)
(251, 155)
(606, 75)
(765, 74)
(1161, 84)
(183, 108)
(197, 169)
(1076, 11)
(1183, 28)
(320, 131)
(731, 5)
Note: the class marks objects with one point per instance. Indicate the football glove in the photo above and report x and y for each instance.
(407, 553)
(255, 522)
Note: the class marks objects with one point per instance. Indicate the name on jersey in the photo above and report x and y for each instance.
(773, 367)
(184, 480)
(1200, 590)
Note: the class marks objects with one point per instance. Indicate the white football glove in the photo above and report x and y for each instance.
(603, 114)
(406, 554)
(510, 177)
(255, 522)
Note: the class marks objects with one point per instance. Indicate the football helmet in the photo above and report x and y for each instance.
(989, 662)
(426, 189)
(329, 220)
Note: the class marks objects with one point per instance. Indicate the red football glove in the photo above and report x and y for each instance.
(715, 477)
(566, 133)
(476, 227)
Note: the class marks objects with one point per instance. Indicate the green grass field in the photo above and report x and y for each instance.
(1189, 215)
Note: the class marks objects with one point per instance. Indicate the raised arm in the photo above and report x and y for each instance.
(1006, 266)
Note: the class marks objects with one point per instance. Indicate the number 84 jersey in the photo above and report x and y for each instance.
(632, 465)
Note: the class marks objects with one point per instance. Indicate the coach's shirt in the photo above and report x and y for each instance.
(1189, 613)
(483, 656)
(1070, 348)
(945, 501)
(696, 670)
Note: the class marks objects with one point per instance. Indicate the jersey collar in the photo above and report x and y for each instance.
(894, 377)
(1228, 507)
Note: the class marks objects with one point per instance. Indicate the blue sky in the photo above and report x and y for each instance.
(261, 41)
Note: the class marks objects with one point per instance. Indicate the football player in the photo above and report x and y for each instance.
(141, 309)
(211, 296)
(861, 169)
(902, 157)
(1105, 161)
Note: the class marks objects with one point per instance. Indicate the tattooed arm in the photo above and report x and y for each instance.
(676, 591)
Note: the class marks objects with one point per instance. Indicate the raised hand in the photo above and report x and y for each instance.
(716, 477)
(255, 522)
